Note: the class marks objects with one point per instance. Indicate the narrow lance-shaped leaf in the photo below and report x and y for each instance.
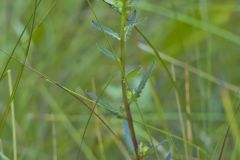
(133, 18)
(169, 156)
(115, 4)
(3, 157)
(127, 136)
(133, 72)
(104, 104)
(106, 52)
(130, 24)
(106, 30)
(133, 3)
(144, 80)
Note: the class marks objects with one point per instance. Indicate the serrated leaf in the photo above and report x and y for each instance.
(106, 52)
(143, 81)
(127, 136)
(106, 30)
(104, 104)
(130, 24)
(133, 72)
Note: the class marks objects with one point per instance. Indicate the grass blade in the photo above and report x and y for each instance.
(14, 138)
(17, 43)
(97, 100)
(102, 103)
(78, 97)
(7, 109)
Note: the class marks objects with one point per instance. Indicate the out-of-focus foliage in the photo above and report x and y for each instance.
(50, 123)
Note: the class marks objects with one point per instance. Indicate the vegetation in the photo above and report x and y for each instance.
(119, 79)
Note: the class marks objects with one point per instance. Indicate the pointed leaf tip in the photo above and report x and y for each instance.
(133, 72)
(106, 52)
(169, 156)
(127, 136)
(106, 30)
(130, 24)
(104, 104)
(133, 19)
(144, 79)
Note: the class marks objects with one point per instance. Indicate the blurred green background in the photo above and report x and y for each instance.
(49, 122)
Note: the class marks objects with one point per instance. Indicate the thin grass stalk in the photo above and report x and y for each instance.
(19, 76)
(197, 71)
(72, 131)
(97, 128)
(122, 148)
(198, 154)
(188, 107)
(99, 139)
(94, 107)
(73, 94)
(173, 136)
(147, 130)
(14, 137)
(18, 42)
(180, 115)
(233, 128)
(54, 137)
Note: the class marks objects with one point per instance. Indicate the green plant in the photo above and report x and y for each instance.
(119, 99)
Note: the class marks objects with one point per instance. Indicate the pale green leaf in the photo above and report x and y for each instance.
(127, 136)
(106, 52)
(104, 104)
(130, 24)
(106, 30)
(144, 79)
(133, 72)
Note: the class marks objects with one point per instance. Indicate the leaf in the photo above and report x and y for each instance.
(143, 82)
(169, 156)
(130, 24)
(133, 3)
(127, 136)
(114, 4)
(143, 149)
(107, 52)
(104, 104)
(133, 72)
(106, 30)
(3, 157)
(133, 19)
(110, 2)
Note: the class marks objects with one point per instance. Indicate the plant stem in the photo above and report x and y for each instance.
(123, 79)
(13, 117)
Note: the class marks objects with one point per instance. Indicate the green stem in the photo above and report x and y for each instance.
(123, 79)
(20, 73)
(13, 117)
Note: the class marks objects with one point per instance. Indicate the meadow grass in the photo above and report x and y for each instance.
(108, 80)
